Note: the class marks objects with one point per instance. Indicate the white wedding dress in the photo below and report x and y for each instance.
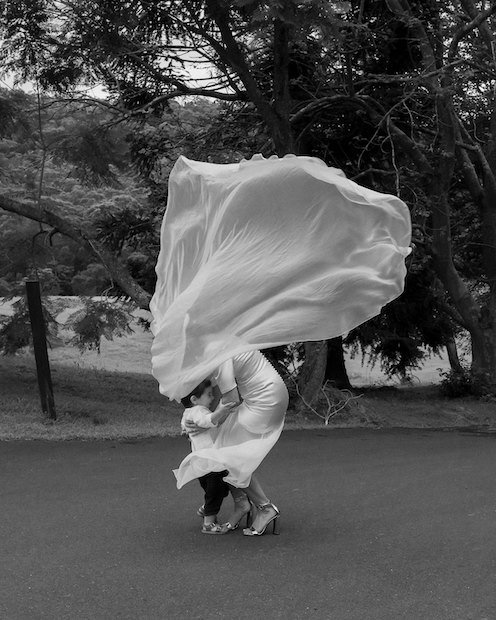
(262, 253)
(247, 435)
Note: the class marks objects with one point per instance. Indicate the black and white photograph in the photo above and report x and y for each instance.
(248, 309)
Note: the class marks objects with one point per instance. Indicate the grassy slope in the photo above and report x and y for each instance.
(112, 395)
(100, 404)
(90, 403)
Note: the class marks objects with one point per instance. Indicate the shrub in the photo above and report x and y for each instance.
(459, 383)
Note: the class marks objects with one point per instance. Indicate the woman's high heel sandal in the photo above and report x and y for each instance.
(242, 507)
(268, 514)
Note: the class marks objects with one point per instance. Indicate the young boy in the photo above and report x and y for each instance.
(196, 409)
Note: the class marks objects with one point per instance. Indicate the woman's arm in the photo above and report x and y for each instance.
(193, 429)
(231, 397)
(226, 381)
(225, 386)
(224, 377)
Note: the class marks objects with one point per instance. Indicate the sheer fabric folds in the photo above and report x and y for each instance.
(266, 252)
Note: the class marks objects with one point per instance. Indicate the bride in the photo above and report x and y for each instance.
(245, 438)
(254, 255)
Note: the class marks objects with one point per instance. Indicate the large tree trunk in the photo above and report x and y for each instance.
(453, 358)
(312, 373)
(482, 327)
(277, 117)
(335, 371)
(479, 174)
(282, 134)
(483, 339)
(313, 369)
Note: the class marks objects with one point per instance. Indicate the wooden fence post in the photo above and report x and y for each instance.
(40, 348)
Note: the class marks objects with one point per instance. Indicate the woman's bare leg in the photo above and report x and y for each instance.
(264, 511)
(255, 493)
(241, 508)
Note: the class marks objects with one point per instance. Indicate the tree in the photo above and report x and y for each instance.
(446, 48)
(391, 92)
(119, 50)
(53, 172)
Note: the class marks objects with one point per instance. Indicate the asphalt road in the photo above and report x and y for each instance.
(375, 526)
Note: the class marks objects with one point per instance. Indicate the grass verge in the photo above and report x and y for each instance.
(99, 404)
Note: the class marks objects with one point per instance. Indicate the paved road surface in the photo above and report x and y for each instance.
(375, 526)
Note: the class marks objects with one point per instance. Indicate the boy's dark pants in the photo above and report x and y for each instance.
(215, 490)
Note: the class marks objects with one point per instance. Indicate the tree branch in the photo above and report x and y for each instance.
(231, 55)
(114, 266)
(370, 106)
(489, 177)
(481, 68)
(200, 92)
(401, 138)
(371, 171)
(402, 9)
(484, 29)
(324, 103)
(467, 28)
(379, 78)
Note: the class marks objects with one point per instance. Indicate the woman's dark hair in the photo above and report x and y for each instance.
(198, 391)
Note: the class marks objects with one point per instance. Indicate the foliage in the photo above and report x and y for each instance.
(97, 318)
(15, 332)
(100, 318)
(92, 281)
(199, 129)
(461, 383)
(399, 94)
(85, 170)
(408, 329)
(287, 361)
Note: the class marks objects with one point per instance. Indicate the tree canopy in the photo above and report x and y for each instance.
(399, 94)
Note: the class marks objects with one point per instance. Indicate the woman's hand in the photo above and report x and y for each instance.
(231, 397)
(193, 429)
(222, 411)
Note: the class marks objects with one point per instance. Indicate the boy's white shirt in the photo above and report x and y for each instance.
(202, 416)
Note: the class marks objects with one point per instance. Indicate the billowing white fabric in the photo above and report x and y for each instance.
(267, 252)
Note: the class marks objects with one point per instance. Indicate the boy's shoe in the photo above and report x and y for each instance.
(201, 511)
(212, 528)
